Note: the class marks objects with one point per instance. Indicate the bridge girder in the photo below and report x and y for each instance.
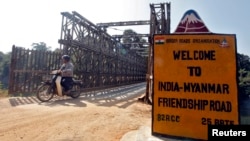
(100, 59)
(123, 23)
(159, 24)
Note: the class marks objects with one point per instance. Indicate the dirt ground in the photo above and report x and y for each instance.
(65, 119)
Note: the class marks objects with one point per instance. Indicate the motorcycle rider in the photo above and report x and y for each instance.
(66, 72)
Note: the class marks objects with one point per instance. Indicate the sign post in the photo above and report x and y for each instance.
(194, 84)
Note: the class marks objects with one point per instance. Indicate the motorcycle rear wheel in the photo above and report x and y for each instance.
(45, 93)
(76, 91)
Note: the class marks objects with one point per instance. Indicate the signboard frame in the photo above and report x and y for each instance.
(157, 40)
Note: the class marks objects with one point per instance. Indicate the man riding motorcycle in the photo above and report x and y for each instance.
(66, 72)
(61, 78)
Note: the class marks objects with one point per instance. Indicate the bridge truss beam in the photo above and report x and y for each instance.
(159, 24)
(100, 60)
(124, 23)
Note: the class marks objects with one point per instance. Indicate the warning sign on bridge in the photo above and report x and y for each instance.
(194, 84)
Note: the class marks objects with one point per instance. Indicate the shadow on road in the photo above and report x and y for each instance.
(56, 101)
(121, 97)
(16, 101)
(65, 102)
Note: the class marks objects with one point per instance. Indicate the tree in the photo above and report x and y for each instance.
(58, 50)
(130, 39)
(243, 74)
(243, 61)
(40, 46)
(133, 42)
(4, 69)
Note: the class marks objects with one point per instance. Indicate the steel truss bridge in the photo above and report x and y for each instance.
(101, 60)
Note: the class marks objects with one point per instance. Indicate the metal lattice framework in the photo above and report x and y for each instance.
(139, 47)
(159, 24)
(101, 59)
(29, 67)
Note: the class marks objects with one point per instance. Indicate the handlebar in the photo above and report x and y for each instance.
(54, 72)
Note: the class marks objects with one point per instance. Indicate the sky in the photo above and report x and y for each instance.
(24, 22)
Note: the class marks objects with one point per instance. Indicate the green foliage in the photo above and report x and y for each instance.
(130, 37)
(244, 84)
(243, 62)
(40, 46)
(4, 69)
(58, 50)
(244, 74)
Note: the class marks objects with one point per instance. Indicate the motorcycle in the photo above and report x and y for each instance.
(53, 87)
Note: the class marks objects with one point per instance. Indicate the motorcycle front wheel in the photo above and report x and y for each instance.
(45, 93)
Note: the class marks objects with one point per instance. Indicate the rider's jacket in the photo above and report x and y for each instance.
(67, 69)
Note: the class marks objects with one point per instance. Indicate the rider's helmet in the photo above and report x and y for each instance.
(66, 57)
